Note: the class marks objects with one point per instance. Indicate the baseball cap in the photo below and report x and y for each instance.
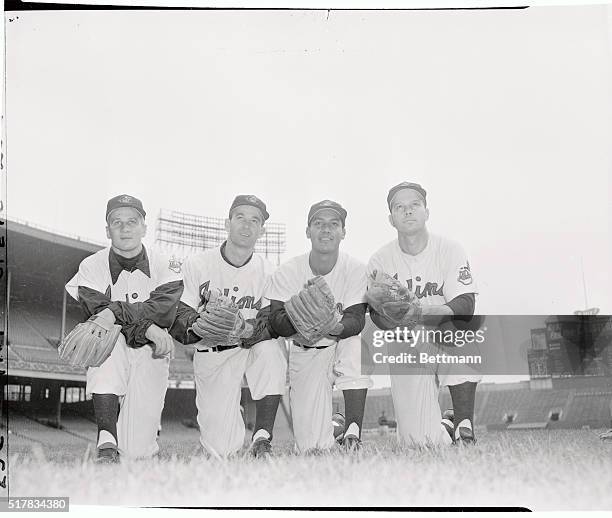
(124, 200)
(406, 185)
(326, 205)
(253, 201)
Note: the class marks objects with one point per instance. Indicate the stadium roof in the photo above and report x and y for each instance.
(41, 261)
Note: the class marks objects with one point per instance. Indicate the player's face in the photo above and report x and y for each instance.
(326, 231)
(408, 212)
(245, 226)
(126, 228)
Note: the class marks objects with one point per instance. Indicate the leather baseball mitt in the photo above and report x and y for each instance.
(221, 322)
(390, 299)
(89, 343)
(312, 312)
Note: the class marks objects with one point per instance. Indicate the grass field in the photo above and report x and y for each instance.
(541, 470)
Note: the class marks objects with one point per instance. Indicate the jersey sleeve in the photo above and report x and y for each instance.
(375, 264)
(268, 269)
(283, 284)
(458, 277)
(87, 287)
(357, 285)
(88, 276)
(168, 270)
(72, 287)
(191, 290)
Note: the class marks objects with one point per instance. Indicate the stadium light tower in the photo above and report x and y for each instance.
(190, 233)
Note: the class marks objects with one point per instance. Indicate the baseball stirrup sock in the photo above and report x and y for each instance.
(354, 406)
(463, 397)
(265, 413)
(106, 408)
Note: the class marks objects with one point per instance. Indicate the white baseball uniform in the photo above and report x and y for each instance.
(219, 374)
(437, 275)
(312, 371)
(131, 373)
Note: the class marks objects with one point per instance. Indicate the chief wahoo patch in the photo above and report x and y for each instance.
(465, 276)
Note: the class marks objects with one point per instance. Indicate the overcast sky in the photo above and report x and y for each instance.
(503, 116)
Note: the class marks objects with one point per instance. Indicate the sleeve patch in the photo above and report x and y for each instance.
(175, 264)
(465, 276)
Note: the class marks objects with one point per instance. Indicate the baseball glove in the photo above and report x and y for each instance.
(89, 343)
(390, 299)
(312, 312)
(221, 322)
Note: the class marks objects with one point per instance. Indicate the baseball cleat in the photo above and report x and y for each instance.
(351, 443)
(107, 454)
(261, 448)
(339, 425)
(465, 436)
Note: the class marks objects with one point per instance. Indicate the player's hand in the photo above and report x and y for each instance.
(334, 333)
(107, 315)
(162, 341)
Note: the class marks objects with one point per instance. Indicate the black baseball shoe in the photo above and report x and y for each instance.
(107, 454)
(261, 448)
(351, 443)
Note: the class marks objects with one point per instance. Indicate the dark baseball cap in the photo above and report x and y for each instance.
(124, 200)
(253, 201)
(406, 185)
(326, 205)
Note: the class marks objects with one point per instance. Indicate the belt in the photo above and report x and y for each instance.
(311, 346)
(217, 349)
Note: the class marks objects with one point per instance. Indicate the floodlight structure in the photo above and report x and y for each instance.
(189, 233)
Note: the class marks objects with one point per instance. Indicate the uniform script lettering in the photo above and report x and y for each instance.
(244, 302)
(428, 289)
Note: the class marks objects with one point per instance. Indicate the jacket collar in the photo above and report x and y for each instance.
(116, 264)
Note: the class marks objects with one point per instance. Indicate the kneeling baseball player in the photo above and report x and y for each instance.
(317, 300)
(224, 312)
(431, 279)
(130, 295)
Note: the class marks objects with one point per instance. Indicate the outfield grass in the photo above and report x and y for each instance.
(541, 470)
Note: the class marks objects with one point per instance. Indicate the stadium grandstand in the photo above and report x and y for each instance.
(41, 391)
(40, 312)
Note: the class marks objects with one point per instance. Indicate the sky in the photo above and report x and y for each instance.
(505, 117)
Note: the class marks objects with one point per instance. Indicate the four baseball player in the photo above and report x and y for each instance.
(154, 301)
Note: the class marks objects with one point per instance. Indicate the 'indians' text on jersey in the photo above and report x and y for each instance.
(245, 285)
(437, 275)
